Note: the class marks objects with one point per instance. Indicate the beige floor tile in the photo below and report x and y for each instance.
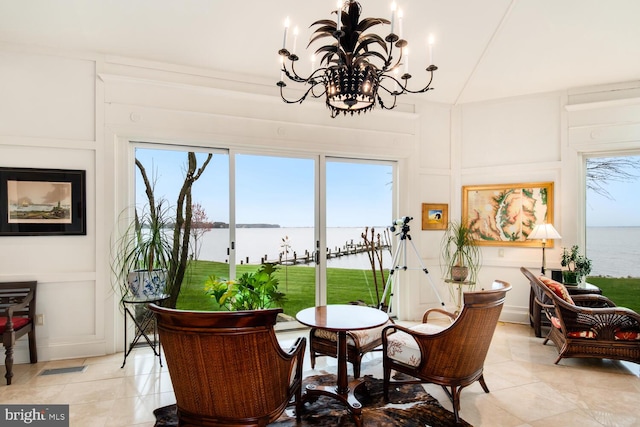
(527, 388)
(93, 414)
(94, 391)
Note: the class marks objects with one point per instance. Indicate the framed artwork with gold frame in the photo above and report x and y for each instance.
(435, 216)
(505, 214)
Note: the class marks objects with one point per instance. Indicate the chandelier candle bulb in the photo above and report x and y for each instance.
(431, 41)
(295, 39)
(393, 15)
(339, 13)
(281, 68)
(406, 60)
(395, 85)
(400, 16)
(286, 28)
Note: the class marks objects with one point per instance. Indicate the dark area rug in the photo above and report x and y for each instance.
(410, 406)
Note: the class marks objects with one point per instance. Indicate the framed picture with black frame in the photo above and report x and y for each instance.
(40, 202)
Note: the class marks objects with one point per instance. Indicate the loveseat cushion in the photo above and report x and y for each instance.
(627, 335)
(558, 288)
(18, 322)
(404, 348)
(574, 334)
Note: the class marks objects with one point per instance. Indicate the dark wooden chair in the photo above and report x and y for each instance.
(227, 368)
(324, 343)
(451, 356)
(18, 312)
(587, 325)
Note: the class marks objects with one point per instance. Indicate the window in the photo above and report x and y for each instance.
(613, 222)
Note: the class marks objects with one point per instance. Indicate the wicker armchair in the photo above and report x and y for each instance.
(451, 356)
(17, 318)
(587, 325)
(227, 368)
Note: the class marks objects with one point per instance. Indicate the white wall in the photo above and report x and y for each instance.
(81, 111)
(47, 120)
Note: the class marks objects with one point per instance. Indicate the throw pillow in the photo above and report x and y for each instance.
(557, 288)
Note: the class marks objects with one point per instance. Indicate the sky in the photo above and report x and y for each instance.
(277, 190)
(622, 210)
(280, 190)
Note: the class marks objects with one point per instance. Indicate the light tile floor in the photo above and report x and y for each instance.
(527, 389)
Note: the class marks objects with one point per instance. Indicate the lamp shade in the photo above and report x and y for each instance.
(544, 232)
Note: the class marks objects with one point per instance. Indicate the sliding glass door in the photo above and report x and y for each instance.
(275, 212)
(322, 222)
(209, 249)
(359, 210)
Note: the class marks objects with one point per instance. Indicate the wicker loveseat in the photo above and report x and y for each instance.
(587, 325)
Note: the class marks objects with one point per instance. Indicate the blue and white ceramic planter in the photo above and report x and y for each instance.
(146, 284)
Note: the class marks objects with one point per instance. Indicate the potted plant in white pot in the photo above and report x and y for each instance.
(460, 256)
(143, 253)
(577, 266)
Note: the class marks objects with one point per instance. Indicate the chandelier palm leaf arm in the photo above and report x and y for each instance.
(354, 64)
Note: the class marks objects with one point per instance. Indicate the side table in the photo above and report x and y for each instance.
(535, 311)
(142, 320)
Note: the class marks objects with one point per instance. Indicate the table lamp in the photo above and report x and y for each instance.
(543, 231)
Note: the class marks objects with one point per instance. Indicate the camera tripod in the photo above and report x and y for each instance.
(401, 251)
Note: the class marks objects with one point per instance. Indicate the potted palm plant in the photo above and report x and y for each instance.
(460, 256)
(143, 254)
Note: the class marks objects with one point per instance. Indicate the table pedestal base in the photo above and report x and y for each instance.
(347, 397)
(340, 319)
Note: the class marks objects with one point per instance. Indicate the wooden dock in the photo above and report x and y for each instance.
(349, 248)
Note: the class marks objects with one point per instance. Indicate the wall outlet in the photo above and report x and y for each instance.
(39, 319)
(501, 253)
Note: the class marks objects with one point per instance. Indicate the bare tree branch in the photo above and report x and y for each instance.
(602, 171)
(182, 230)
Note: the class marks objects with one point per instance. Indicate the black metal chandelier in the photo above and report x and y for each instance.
(356, 68)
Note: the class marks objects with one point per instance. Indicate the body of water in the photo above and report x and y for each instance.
(614, 251)
(253, 244)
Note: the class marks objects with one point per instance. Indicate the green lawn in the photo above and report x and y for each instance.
(625, 292)
(297, 282)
